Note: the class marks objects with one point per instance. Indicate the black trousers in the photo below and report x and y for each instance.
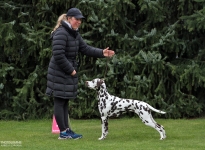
(61, 112)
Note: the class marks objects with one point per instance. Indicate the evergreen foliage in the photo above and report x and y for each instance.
(159, 45)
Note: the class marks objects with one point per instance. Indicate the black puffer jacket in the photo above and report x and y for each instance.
(66, 43)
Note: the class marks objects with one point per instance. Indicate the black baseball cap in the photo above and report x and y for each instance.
(75, 12)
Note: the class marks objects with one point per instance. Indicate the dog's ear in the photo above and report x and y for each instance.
(100, 81)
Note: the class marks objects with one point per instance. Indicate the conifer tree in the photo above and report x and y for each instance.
(159, 45)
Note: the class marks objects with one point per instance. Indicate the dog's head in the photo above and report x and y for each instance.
(94, 84)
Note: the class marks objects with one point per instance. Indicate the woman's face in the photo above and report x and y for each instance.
(75, 23)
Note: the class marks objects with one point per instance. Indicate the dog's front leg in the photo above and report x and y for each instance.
(104, 122)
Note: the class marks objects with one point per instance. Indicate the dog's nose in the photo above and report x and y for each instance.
(86, 83)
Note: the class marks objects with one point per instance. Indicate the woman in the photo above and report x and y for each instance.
(62, 78)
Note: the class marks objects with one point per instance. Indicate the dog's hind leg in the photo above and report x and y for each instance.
(148, 120)
(104, 122)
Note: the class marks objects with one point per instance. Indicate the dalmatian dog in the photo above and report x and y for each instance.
(110, 105)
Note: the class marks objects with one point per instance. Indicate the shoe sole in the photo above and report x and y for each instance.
(78, 138)
(60, 138)
(64, 138)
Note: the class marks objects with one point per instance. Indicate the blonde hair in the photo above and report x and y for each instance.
(60, 18)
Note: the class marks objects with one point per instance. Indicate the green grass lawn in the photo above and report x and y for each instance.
(124, 134)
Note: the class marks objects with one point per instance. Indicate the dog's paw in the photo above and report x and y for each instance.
(162, 138)
(101, 138)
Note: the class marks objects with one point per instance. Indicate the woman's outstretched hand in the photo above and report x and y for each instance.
(108, 53)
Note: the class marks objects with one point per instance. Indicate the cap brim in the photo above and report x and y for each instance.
(79, 17)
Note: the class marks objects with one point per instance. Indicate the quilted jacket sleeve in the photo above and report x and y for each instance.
(89, 50)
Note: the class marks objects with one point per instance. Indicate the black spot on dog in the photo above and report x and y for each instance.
(141, 113)
(145, 108)
(141, 107)
(158, 125)
(136, 106)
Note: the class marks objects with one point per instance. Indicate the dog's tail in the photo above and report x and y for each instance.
(156, 110)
